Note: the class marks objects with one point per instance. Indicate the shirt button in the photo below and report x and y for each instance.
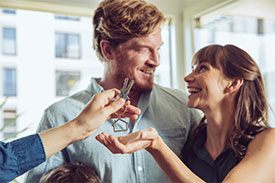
(140, 168)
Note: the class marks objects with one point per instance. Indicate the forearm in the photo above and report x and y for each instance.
(19, 156)
(174, 168)
(60, 137)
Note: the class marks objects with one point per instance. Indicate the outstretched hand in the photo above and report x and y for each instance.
(130, 143)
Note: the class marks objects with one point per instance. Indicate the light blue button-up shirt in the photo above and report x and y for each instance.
(163, 108)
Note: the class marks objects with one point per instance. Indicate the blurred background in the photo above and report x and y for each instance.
(46, 49)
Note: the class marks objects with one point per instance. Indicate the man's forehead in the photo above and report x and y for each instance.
(142, 42)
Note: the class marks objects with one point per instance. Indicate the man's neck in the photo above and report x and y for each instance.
(134, 98)
(108, 84)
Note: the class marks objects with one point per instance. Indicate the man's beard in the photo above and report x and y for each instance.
(137, 87)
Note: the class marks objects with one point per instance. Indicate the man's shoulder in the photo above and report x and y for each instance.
(76, 100)
(171, 92)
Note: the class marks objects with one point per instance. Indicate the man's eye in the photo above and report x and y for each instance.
(143, 50)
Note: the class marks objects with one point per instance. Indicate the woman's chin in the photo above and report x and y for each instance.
(191, 105)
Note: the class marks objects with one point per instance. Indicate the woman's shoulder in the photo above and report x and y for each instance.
(258, 163)
(266, 134)
(264, 141)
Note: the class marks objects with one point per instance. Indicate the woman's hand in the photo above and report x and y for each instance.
(144, 139)
(97, 111)
(101, 108)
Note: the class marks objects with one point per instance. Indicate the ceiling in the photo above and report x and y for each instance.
(86, 7)
(94, 3)
(261, 9)
(84, 3)
(252, 8)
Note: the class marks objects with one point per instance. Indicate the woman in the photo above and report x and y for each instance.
(23, 154)
(233, 141)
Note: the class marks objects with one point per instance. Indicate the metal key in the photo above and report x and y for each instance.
(124, 92)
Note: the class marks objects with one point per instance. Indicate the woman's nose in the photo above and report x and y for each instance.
(189, 78)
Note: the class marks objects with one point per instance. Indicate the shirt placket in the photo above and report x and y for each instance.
(140, 166)
(139, 155)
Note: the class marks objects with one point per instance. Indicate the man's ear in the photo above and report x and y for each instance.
(234, 85)
(106, 49)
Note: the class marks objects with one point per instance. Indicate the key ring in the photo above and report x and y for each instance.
(119, 119)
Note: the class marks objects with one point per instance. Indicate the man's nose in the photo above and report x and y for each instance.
(155, 58)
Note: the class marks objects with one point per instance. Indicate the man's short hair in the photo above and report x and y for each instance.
(69, 173)
(120, 20)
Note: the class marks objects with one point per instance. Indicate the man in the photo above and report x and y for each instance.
(127, 38)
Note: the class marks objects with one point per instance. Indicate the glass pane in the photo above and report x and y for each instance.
(9, 123)
(9, 82)
(73, 47)
(163, 75)
(67, 45)
(65, 80)
(8, 11)
(60, 45)
(9, 41)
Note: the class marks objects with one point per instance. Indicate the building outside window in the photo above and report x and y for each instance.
(67, 45)
(9, 41)
(65, 80)
(9, 88)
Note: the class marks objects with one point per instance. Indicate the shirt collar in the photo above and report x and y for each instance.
(94, 87)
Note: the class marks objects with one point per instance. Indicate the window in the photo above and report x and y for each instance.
(9, 119)
(8, 11)
(9, 82)
(62, 17)
(163, 75)
(67, 45)
(65, 80)
(9, 41)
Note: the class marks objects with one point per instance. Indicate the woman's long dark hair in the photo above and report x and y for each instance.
(251, 111)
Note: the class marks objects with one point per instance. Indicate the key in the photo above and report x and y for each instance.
(124, 92)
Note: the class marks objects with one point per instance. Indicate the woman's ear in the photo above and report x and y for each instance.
(106, 49)
(234, 85)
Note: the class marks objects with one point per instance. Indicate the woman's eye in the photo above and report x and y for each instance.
(202, 68)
